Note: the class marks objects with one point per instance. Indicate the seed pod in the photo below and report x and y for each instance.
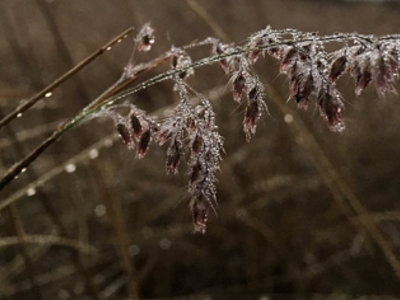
(304, 92)
(392, 60)
(173, 159)
(125, 135)
(217, 50)
(253, 93)
(199, 208)
(330, 107)
(136, 126)
(274, 51)
(179, 60)
(197, 143)
(338, 67)
(200, 111)
(144, 143)
(253, 56)
(164, 135)
(288, 59)
(174, 62)
(145, 38)
(252, 114)
(382, 75)
(362, 81)
(146, 43)
(238, 86)
(294, 79)
(195, 172)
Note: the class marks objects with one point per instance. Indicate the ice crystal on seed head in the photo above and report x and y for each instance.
(255, 107)
(145, 38)
(330, 106)
(181, 59)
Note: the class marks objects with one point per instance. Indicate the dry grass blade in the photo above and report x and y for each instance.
(20, 240)
(46, 92)
(49, 240)
(90, 152)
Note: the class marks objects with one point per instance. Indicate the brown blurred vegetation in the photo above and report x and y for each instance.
(283, 228)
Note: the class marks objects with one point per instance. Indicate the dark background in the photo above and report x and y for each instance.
(286, 224)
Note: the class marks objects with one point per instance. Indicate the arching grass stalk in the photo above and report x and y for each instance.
(98, 103)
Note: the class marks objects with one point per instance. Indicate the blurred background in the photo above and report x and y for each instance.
(303, 213)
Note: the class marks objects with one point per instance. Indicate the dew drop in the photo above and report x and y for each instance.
(147, 232)
(79, 288)
(63, 294)
(108, 143)
(94, 153)
(30, 192)
(23, 170)
(48, 94)
(100, 210)
(288, 118)
(134, 250)
(119, 41)
(108, 48)
(70, 168)
(98, 278)
(165, 244)
(19, 115)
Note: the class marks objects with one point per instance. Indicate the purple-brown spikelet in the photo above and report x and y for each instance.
(274, 52)
(125, 135)
(194, 173)
(238, 85)
(362, 80)
(197, 144)
(393, 62)
(294, 79)
(330, 107)
(304, 90)
(163, 136)
(337, 68)
(199, 209)
(218, 49)
(254, 109)
(253, 56)
(145, 38)
(384, 68)
(252, 115)
(361, 70)
(136, 125)
(179, 60)
(143, 144)
(174, 154)
(288, 59)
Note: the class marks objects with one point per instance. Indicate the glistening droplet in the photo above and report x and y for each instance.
(70, 168)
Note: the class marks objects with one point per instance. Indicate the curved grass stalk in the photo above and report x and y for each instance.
(49, 240)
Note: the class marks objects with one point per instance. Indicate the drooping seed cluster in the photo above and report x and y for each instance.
(312, 73)
(193, 133)
(136, 129)
(311, 70)
(243, 82)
